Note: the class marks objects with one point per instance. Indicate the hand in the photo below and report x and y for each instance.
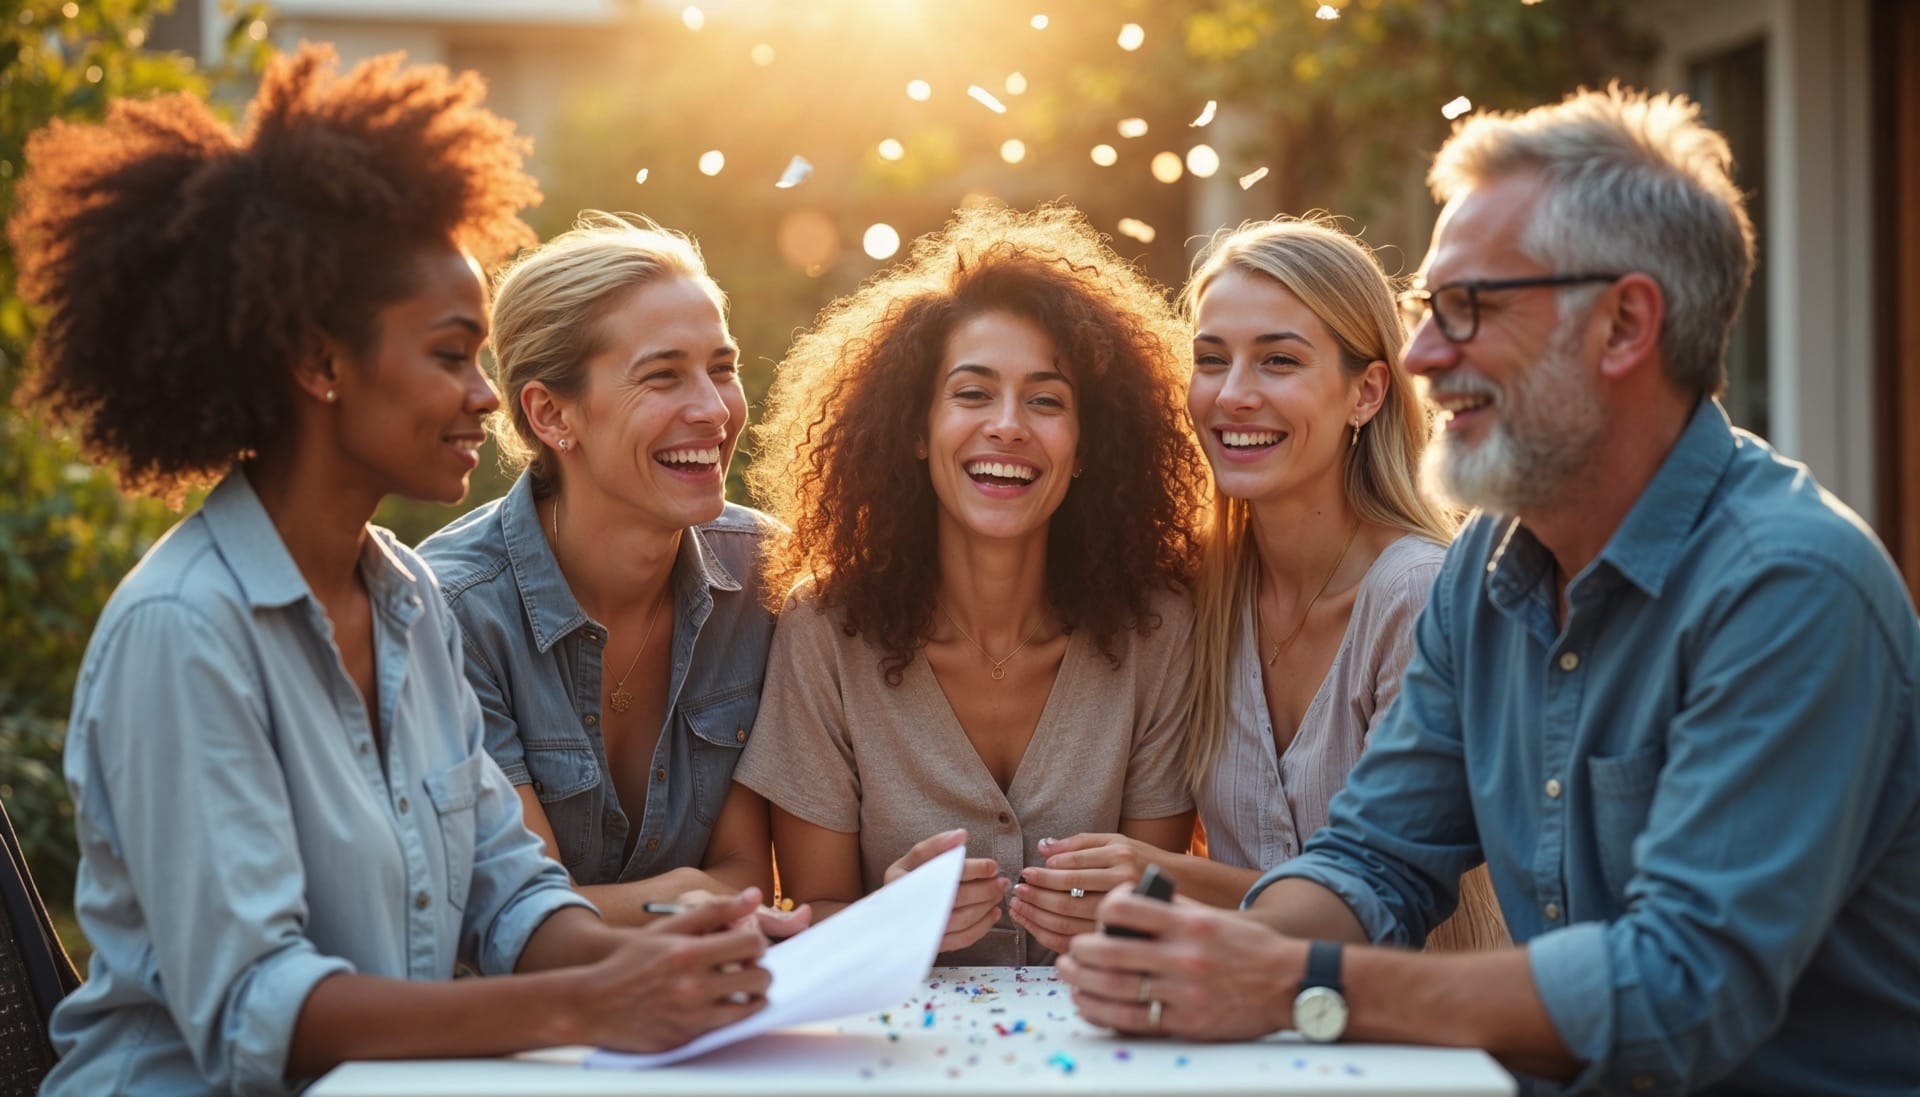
(1044, 902)
(976, 906)
(672, 980)
(1217, 974)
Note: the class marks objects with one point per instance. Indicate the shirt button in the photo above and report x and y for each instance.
(739, 735)
(659, 774)
(364, 748)
(421, 902)
(1568, 660)
(1005, 818)
(403, 805)
(1553, 788)
(590, 720)
(653, 844)
(1552, 912)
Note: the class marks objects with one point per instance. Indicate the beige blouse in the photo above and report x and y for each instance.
(837, 746)
(1258, 808)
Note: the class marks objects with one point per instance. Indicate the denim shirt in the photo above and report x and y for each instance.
(1697, 795)
(243, 832)
(534, 658)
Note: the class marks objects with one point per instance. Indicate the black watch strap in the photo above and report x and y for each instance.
(1323, 965)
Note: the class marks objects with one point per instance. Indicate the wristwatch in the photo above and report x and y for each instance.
(1320, 1010)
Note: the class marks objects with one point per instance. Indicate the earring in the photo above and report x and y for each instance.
(1356, 434)
(332, 396)
(564, 443)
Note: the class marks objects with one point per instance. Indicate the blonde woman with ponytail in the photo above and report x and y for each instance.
(1319, 553)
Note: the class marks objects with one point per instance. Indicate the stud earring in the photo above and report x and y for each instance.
(332, 396)
(564, 444)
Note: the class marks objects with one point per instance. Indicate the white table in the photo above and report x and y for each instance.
(1002, 1031)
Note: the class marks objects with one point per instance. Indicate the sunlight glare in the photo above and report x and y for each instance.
(1137, 229)
(1132, 127)
(891, 149)
(1013, 150)
(1202, 161)
(693, 17)
(711, 161)
(880, 241)
(919, 91)
(1166, 167)
(1105, 156)
(1132, 36)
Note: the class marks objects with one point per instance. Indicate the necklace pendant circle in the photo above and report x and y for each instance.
(999, 673)
(622, 700)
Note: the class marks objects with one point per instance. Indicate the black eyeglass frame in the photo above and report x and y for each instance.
(1474, 287)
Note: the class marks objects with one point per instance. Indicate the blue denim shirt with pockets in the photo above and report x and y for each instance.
(534, 658)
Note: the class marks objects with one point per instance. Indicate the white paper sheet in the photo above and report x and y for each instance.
(874, 954)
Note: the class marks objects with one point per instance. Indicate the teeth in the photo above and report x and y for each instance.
(1249, 437)
(471, 445)
(1001, 469)
(708, 456)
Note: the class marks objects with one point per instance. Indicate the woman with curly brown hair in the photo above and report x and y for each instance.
(992, 493)
(290, 831)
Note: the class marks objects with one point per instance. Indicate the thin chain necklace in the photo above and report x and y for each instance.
(1295, 634)
(1000, 664)
(621, 700)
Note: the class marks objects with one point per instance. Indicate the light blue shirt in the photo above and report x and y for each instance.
(243, 837)
(534, 657)
(1697, 795)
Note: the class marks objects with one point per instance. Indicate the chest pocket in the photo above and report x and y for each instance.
(720, 723)
(456, 795)
(1623, 790)
(564, 780)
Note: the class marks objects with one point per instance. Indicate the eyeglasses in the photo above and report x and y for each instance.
(1456, 305)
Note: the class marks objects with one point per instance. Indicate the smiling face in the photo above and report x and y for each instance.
(1003, 430)
(417, 397)
(662, 408)
(1269, 395)
(1522, 405)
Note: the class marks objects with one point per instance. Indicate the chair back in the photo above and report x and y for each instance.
(35, 973)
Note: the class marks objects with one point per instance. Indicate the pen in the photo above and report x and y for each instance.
(652, 907)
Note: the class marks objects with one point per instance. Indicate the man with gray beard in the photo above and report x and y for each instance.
(1665, 686)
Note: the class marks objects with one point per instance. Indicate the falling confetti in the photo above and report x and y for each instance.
(640, 176)
(1202, 161)
(891, 149)
(1038, 22)
(693, 17)
(797, 171)
(1206, 114)
(1016, 83)
(1131, 37)
(1137, 229)
(985, 98)
(1249, 179)
(762, 55)
(1132, 127)
(880, 241)
(1327, 12)
(712, 161)
(1456, 107)
(919, 91)
(1105, 156)
(1013, 150)
(1166, 167)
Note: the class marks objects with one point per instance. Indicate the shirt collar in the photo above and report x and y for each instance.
(1644, 548)
(245, 535)
(551, 608)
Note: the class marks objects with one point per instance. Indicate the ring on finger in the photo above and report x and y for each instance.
(1146, 987)
(1153, 1013)
(1077, 893)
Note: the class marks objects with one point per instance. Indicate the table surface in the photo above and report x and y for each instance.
(1005, 1031)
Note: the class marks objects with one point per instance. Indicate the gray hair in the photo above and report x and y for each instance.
(549, 304)
(1633, 182)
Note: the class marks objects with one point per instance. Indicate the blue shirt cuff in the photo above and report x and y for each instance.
(1572, 974)
(513, 927)
(260, 1029)
(1375, 919)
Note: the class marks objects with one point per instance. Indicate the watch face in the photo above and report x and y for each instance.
(1320, 1014)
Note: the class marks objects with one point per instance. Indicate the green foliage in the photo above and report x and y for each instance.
(67, 535)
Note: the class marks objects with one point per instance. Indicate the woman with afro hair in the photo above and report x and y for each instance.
(290, 831)
(983, 459)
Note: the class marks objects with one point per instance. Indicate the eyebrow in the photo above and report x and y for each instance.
(1039, 375)
(461, 321)
(1268, 337)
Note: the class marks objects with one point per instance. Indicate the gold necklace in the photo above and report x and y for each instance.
(1000, 664)
(1291, 636)
(620, 699)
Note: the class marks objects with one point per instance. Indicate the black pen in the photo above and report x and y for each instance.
(652, 907)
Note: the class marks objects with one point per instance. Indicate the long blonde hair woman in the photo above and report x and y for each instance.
(1320, 550)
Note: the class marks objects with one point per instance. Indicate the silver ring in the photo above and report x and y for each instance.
(1077, 893)
(1146, 986)
(1153, 1013)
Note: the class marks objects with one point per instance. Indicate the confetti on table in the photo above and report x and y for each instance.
(1062, 1060)
(1249, 179)
(797, 171)
(1123, 1054)
(1206, 114)
(1456, 107)
(985, 98)
(1181, 1060)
